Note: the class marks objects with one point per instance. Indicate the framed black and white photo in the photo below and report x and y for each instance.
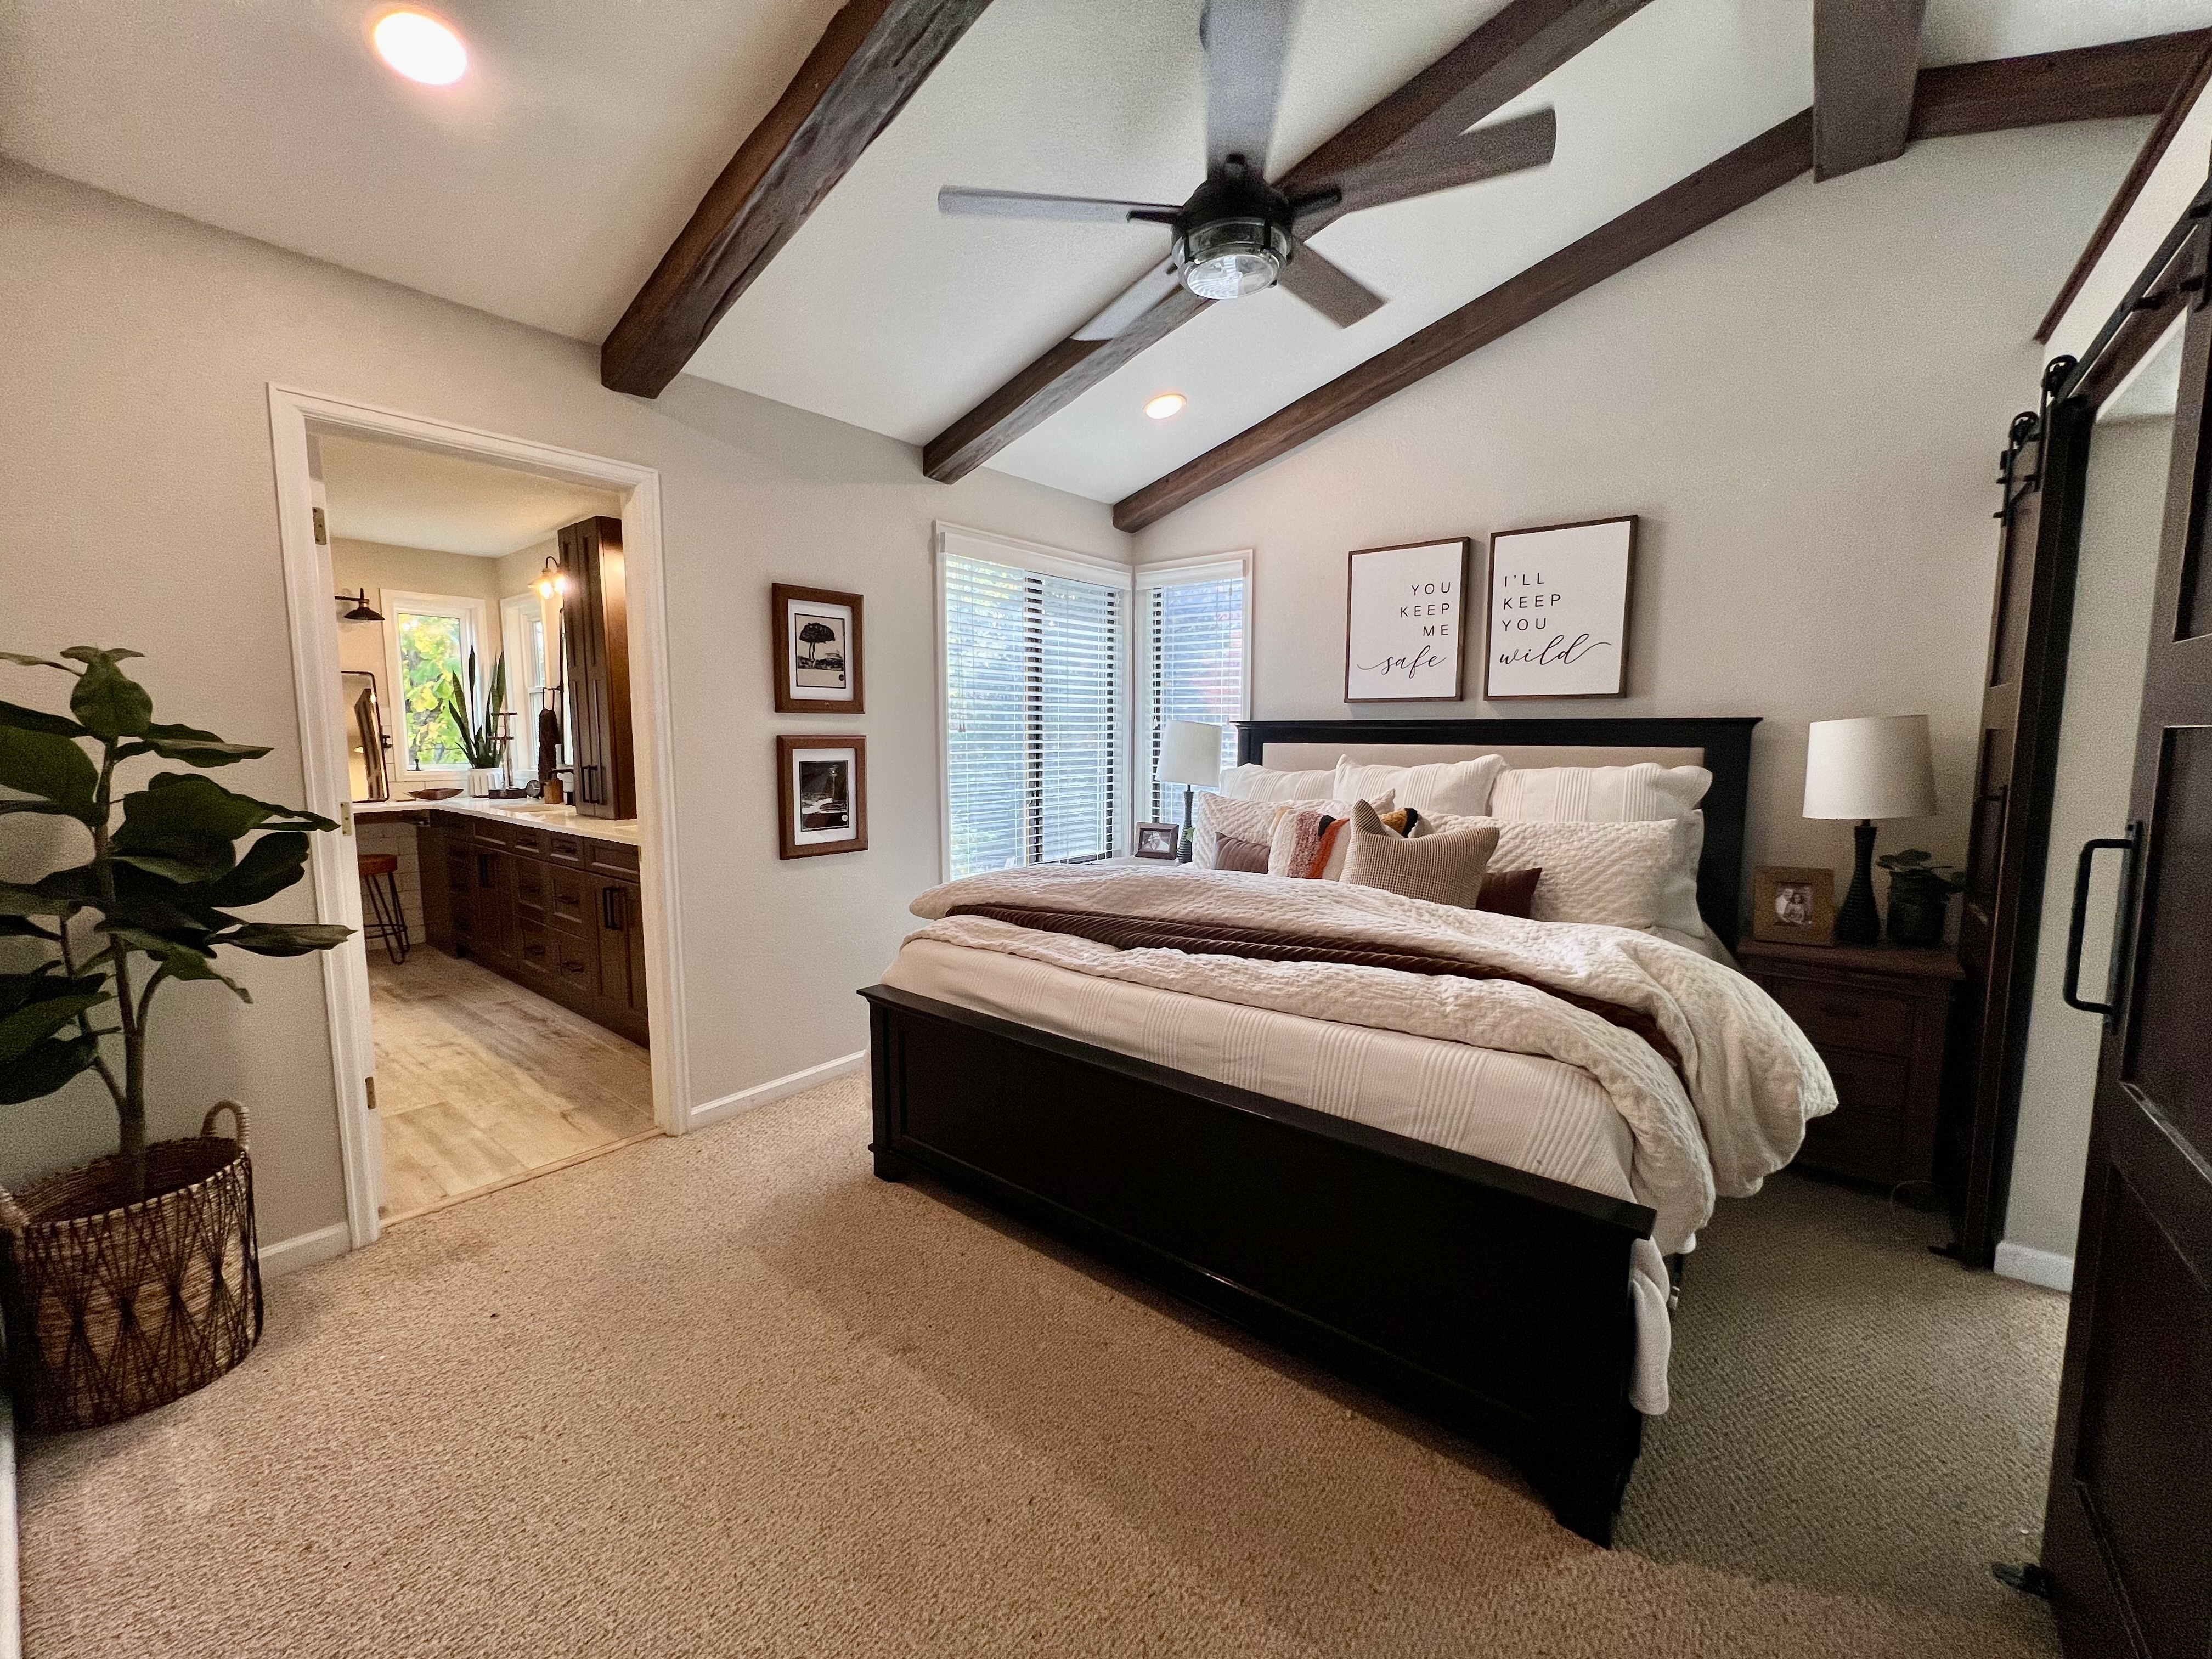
(1403, 638)
(1558, 611)
(821, 795)
(1158, 841)
(817, 651)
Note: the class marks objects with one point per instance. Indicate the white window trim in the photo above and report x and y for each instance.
(1175, 573)
(516, 612)
(953, 539)
(393, 600)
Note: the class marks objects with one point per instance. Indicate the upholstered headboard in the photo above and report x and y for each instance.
(1722, 744)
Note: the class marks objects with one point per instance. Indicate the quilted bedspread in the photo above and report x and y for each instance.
(1749, 1080)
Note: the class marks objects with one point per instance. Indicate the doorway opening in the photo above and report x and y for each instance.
(480, 656)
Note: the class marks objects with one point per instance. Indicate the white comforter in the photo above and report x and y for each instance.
(1752, 1079)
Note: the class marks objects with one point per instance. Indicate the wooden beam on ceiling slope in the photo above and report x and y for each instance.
(1497, 63)
(1866, 63)
(871, 59)
(2133, 78)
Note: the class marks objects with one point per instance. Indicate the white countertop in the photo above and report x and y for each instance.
(562, 818)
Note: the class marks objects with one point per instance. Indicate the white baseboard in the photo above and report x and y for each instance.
(2048, 1269)
(760, 1094)
(304, 1250)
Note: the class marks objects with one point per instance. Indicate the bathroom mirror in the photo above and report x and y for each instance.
(365, 739)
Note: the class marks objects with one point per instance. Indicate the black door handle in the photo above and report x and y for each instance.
(2077, 924)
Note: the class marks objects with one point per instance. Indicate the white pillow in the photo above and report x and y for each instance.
(1260, 783)
(1612, 874)
(1644, 793)
(1456, 786)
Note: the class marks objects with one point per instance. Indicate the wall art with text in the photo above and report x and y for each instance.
(1404, 638)
(1559, 610)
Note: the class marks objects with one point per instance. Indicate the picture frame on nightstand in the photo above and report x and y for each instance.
(1793, 904)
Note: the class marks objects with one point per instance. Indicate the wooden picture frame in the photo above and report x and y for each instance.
(837, 616)
(838, 792)
(1591, 567)
(1166, 840)
(1793, 904)
(1392, 638)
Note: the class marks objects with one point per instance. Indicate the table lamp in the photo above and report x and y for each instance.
(1190, 755)
(1879, 767)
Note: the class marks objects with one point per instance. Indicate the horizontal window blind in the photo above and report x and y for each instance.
(1034, 667)
(1191, 663)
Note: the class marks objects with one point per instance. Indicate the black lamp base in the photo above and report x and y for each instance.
(1858, 921)
(1183, 848)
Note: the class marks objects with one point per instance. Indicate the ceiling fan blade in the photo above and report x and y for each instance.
(1245, 42)
(960, 202)
(1330, 289)
(1132, 302)
(1398, 175)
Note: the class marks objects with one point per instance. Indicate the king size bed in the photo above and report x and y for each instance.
(1441, 1152)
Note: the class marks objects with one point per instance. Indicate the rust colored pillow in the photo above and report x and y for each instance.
(1509, 892)
(1232, 853)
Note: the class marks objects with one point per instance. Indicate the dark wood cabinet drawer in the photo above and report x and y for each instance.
(572, 958)
(570, 892)
(531, 881)
(524, 839)
(567, 849)
(534, 950)
(1865, 1136)
(1848, 1015)
(489, 833)
(611, 857)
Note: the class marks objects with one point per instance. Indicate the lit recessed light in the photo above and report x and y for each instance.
(1166, 406)
(420, 47)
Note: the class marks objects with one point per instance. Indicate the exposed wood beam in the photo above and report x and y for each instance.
(2092, 83)
(1866, 63)
(2146, 162)
(870, 60)
(1497, 63)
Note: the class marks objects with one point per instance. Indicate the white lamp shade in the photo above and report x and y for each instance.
(1190, 752)
(1876, 768)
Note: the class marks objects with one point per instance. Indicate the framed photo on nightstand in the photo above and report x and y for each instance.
(1158, 841)
(1793, 905)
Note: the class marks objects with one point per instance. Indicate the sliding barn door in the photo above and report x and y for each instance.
(2015, 772)
(2128, 1536)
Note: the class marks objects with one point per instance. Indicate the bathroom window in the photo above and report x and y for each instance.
(431, 636)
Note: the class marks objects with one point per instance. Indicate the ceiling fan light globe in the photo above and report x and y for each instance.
(1231, 275)
(1233, 258)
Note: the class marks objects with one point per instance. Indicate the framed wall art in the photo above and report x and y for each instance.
(817, 651)
(1793, 905)
(821, 795)
(1558, 611)
(1403, 638)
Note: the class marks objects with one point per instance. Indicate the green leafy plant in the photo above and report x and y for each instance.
(153, 902)
(1917, 872)
(477, 730)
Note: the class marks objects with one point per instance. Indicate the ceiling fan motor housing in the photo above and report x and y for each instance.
(1233, 236)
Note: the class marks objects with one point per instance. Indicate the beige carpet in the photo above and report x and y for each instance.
(729, 1395)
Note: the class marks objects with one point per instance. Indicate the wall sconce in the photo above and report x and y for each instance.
(361, 612)
(551, 581)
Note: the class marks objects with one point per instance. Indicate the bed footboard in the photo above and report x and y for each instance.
(1492, 1300)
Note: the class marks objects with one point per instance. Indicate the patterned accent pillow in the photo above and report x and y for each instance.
(1299, 846)
(1612, 874)
(1445, 868)
(1214, 816)
(1249, 856)
(1644, 793)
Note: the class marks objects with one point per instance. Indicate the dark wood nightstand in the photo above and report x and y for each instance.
(1879, 1015)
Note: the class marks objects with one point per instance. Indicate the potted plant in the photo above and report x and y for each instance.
(1919, 896)
(134, 1279)
(477, 732)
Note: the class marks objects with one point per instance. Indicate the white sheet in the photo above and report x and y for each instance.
(1524, 1110)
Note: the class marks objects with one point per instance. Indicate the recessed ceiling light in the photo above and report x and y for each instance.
(1166, 406)
(420, 47)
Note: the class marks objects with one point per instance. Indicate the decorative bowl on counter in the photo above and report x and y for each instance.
(432, 794)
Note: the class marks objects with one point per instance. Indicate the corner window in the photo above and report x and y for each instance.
(1192, 623)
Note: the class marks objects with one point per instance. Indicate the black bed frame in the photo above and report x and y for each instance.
(1492, 1300)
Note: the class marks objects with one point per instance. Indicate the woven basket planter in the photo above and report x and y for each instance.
(113, 1311)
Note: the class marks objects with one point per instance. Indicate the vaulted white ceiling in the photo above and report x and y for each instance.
(408, 497)
(544, 186)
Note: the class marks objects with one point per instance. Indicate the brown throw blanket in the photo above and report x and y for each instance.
(1266, 945)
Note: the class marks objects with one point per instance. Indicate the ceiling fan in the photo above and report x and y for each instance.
(1238, 234)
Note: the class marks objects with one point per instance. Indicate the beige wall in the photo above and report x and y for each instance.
(1804, 403)
(2122, 514)
(133, 416)
(376, 566)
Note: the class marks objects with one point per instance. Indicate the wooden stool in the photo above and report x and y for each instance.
(379, 881)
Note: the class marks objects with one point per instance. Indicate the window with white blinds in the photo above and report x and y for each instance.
(1036, 707)
(1191, 624)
